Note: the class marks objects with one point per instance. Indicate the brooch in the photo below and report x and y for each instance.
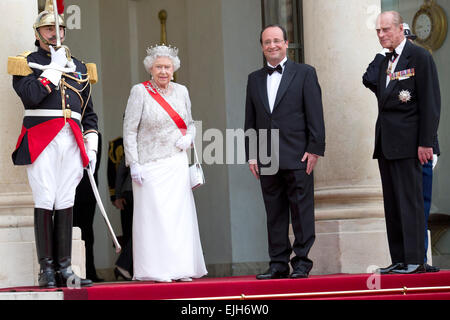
(404, 96)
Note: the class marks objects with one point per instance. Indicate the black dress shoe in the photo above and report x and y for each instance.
(411, 268)
(273, 274)
(391, 268)
(429, 268)
(299, 274)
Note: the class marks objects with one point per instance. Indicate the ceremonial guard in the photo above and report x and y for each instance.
(58, 139)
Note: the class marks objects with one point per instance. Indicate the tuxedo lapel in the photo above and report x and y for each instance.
(388, 90)
(288, 75)
(262, 89)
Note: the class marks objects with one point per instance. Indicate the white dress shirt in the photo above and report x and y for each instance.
(273, 83)
(399, 51)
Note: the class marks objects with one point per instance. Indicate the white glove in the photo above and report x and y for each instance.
(136, 173)
(91, 146)
(59, 61)
(184, 142)
(435, 160)
(92, 155)
(71, 67)
(91, 141)
(59, 57)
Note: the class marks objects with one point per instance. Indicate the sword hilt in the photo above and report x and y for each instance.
(68, 53)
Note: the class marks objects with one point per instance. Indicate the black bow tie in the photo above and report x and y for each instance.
(271, 70)
(392, 55)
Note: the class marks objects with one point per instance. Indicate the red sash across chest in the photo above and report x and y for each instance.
(166, 106)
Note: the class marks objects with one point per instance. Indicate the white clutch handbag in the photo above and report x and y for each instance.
(196, 173)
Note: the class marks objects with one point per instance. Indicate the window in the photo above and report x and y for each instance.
(287, 13)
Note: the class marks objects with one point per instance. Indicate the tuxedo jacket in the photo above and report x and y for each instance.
(38, 93)
(409, 108)
(297, 114)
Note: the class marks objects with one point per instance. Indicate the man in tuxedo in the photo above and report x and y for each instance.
(285, 99)
(406, 131)
(370, 80)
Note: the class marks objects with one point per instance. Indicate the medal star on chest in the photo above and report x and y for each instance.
(404, 96)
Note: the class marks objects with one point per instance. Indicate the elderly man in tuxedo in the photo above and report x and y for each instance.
(406, 130)
(285, 99)
(370, 80)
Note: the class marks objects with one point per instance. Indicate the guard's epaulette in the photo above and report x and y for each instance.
(92, 72)
(18, 66)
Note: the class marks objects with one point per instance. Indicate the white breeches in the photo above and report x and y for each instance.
(56, 173)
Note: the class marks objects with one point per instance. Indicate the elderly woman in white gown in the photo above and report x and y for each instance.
(166, 240)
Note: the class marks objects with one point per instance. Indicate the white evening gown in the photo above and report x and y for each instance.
(166, 240)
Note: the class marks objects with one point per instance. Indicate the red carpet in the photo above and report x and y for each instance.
(429, 286)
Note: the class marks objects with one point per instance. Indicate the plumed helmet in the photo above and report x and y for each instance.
(47, 17)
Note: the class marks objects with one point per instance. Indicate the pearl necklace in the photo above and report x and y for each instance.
(160, 90)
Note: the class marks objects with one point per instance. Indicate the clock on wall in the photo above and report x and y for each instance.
(430, 25)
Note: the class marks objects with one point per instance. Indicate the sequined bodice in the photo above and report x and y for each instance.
(149, 133)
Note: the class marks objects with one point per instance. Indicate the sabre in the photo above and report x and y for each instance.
(102, 209)
(57, 10)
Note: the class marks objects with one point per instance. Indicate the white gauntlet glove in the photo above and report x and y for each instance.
(91, 145)
(136, 173)
(92, 155)
(54, 70)
(184, 142)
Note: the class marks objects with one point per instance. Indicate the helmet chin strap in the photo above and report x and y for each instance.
(42, 39)
(45, 41)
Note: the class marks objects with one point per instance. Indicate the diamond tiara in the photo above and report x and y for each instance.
(162, 50)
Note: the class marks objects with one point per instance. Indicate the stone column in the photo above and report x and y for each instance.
(340, 42)
(18, 263)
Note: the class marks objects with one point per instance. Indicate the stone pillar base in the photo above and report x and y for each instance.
(350, 246)
(19, 266)
(350, 230)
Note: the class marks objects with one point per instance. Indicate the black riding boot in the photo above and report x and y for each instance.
(63, 250)
(43, 233)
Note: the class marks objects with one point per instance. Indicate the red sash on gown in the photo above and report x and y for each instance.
(166, 106)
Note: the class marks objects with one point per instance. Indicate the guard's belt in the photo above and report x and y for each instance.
(53, 113)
